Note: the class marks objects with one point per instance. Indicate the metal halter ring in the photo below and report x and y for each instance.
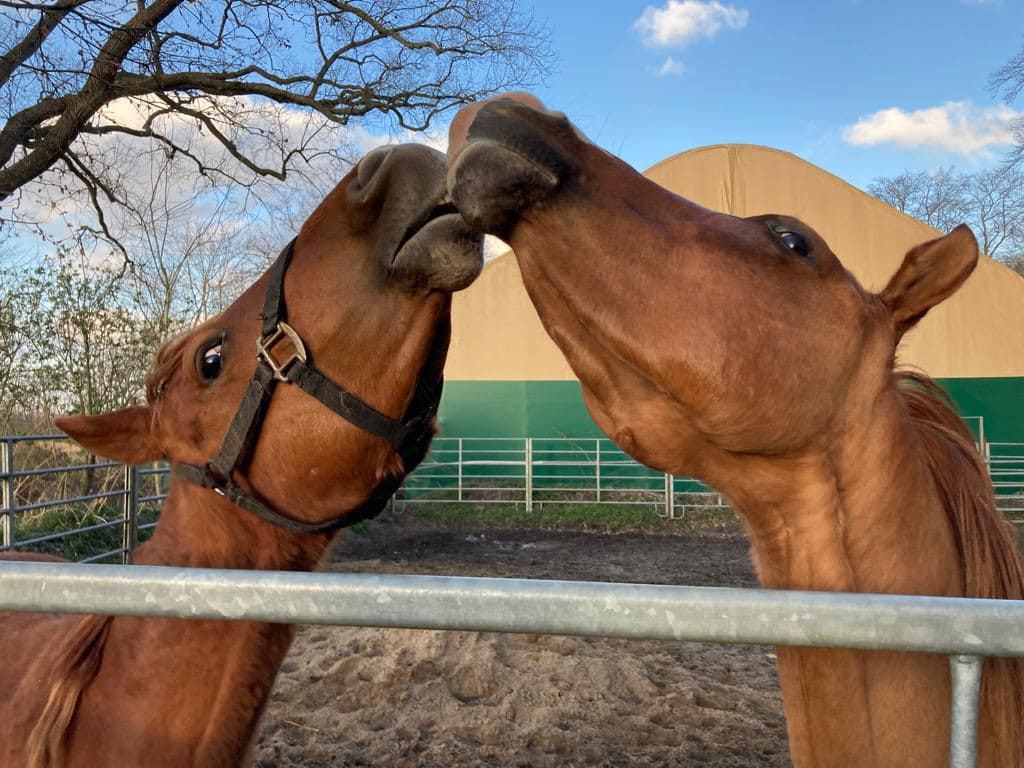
(266, 343)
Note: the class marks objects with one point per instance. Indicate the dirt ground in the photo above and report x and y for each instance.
(380, 697)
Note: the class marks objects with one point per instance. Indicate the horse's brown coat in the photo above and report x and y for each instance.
(88, 691)
(707, 346)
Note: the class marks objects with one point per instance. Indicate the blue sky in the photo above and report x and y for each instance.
(648, 79)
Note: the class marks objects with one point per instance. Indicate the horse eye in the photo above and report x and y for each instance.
(794, 242)
(210, 362)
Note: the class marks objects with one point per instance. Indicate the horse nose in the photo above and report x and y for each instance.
(412, 173)
(369, 171)
(372, 163)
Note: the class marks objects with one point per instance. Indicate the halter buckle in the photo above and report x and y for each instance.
(265, 343)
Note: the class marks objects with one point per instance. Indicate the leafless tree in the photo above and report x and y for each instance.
(1008, 82)
(990, 201)
(192, 249)
(937, 198)
(238, 74)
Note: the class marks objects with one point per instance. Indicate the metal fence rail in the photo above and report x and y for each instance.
(534, 472)
(1006, 467)
(965, 630)
(33, 484)
(529, 473)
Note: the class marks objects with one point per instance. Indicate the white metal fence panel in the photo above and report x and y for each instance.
(537, 472)
(1006, 467)
(53, 495)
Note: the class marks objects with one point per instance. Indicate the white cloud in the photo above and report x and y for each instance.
(956, 126)
(138, 169)
(493, 247)
(683, 21)
(669, 67)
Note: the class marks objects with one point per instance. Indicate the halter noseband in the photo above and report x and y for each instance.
(410, 437)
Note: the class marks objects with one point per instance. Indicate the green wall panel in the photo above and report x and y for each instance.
(555, 408)
(515, 409)
(999, 400)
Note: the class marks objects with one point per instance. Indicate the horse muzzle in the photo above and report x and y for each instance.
(422, 241)
(506, 156)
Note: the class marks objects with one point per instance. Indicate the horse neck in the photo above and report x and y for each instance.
(861, 514)
(874, 512)
(212, 678)
(200, 529)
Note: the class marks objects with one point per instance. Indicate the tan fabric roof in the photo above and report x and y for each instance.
(977, 333)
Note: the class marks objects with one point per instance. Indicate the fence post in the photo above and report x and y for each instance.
(966, 675)
(597, 466)
(130, 527)
(529, 474)
(460, 469)
(670, 497)
(7, 469)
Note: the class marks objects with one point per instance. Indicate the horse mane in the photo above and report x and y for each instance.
(73, 670)
(990, 560)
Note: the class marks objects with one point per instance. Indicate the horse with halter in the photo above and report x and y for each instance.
(290, 415)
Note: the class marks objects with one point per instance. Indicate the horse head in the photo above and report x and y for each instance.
(697, 335)
(353, 318)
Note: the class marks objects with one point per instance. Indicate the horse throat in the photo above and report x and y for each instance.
(199, 529)
(861, 514)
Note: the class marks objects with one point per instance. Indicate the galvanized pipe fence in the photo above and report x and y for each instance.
(965, 630)
(530, 473)
(527, 473)
(534, 473)
(39, 511)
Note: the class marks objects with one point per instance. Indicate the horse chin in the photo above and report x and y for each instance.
(443, 255)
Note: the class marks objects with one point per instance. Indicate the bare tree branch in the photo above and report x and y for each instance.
(212, 65)
(94, 186)
(97, 91)
(26, 48)
(1008, 80)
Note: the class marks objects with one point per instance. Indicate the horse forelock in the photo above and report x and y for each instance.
(990, 561)
(165, 363)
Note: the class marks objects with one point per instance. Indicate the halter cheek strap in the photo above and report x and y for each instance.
(409, 437)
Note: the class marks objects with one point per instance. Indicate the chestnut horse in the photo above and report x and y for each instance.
(367, 294)
(741, 352)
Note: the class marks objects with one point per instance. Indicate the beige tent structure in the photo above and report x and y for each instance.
(506, 377)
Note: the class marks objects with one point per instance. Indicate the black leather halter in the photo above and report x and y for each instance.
(410, 437)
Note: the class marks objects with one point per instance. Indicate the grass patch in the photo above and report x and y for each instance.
(63, 523)
(604, 518)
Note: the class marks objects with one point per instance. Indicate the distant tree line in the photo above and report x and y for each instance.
(990, 201)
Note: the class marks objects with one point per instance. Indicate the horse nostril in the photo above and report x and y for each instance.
(372, 163)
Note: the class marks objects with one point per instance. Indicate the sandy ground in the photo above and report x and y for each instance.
(375, 697)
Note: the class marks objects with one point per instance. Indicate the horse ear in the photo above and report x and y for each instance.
(930, 273)
(124, 436)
